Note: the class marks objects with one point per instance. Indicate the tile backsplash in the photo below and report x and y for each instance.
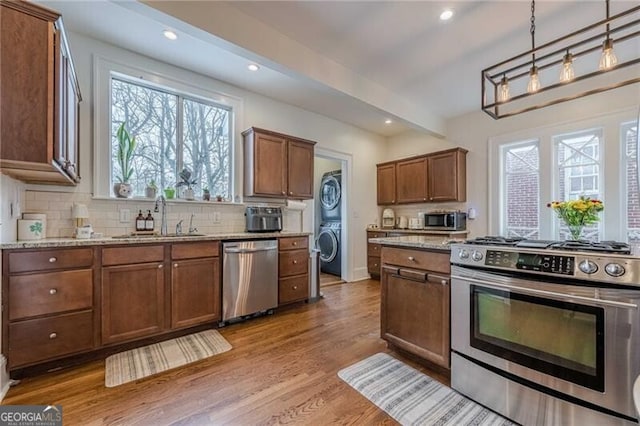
(104, 214)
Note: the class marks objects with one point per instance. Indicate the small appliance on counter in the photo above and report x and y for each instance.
(416, 222)
(263, 219)
(388, 219)
(403, 222)
(445, 220)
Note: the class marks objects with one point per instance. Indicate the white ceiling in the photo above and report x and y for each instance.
(357, 61)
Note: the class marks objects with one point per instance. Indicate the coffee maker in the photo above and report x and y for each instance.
(388, 219)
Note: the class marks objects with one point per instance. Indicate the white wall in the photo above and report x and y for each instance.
(472, 131)
(366, 148)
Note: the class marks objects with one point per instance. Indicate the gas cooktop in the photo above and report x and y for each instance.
(570, 245)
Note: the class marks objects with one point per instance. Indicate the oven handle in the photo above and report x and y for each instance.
(548, 293)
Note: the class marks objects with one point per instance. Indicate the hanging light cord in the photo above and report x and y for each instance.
(607, 6)
(533, 30)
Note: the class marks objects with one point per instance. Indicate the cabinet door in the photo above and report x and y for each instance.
(415, 313)
(447, 176)
(195, 292)
(300, 165)
(270, 165)
(386, 179)
(132, 301)
(411, 181)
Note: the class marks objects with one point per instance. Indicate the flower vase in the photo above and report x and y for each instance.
(575, 231)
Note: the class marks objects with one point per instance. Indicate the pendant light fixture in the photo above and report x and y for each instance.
(608, 59)
(534, 78)
(513, 86)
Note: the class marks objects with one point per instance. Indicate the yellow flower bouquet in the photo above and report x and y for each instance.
(577, 213)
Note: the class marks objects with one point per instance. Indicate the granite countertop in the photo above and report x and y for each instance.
(417, 242)
(419, 231)
(120, 240)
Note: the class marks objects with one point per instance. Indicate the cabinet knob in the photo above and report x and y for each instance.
(295, 287)
(290, 192)
(53, 291)
(160, 266)
(424, 199)
(443, 282)
(411, 258)
(430, 198)
(295, 243)
(175, 265)
(375, 264)
(283, 193)
(53, 259)
(53, 335)
(295, 262)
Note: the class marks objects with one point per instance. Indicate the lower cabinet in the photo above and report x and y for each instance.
(132, 301)
(293, 269)
(415, 292)
(195, 284)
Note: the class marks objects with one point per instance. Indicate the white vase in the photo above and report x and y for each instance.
(122, 190)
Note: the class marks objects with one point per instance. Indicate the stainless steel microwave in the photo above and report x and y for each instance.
(445, 221)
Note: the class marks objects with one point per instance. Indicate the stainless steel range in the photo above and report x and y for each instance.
(546, 332)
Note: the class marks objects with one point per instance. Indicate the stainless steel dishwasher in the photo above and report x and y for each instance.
(249, 277)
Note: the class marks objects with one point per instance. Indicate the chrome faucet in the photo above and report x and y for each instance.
(162, 203)
(179, 227)
(192, 229)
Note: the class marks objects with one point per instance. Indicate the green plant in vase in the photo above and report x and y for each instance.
(577, 214)
(124, 157)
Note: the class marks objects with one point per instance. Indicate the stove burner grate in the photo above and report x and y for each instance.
(600, 246)
(495, 241)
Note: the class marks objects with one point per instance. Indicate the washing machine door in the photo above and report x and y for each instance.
(329, 193)
(327, 243)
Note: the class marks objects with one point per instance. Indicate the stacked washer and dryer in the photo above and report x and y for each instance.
(328, 240)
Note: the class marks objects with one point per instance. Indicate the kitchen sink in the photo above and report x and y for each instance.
(142, 237)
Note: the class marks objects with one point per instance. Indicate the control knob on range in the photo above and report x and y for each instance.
(463, 254)
(476, 255)
(588, 267)
(614, 269)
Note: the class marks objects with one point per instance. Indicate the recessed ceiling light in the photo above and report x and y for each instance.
(446, 15)
(170, 34)
(253, 67)
(388, 121)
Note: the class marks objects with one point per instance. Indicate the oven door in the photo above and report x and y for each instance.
(571, 340)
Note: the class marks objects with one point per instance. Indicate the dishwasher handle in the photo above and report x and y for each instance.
(248, 250)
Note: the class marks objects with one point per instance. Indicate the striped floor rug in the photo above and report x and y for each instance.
(142, 362)
(411, 397)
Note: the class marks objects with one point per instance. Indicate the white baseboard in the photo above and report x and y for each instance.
(5, 381)
(360, 274)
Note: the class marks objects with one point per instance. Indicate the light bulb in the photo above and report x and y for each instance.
(503, 90)
(608, 59)
(534, 81)
(567, 74)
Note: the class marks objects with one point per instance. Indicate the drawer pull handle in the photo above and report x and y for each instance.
(411, 258)
(53, 335)
(295, 287)
(53, 291)
(160, 266)
(295, 262)
(53, 259)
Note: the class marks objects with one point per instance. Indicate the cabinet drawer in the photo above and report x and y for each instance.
(129, 255)
(373, 249)
(42, 294)
(195, 250)
(426, 260)
(376, 234)
(46, 260)
(293, 289)
(293, 262)
(373, 265)
(40, 339)
(293, 243)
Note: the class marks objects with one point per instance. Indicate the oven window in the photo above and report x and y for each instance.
(565, 340)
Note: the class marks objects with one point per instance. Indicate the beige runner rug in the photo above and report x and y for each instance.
(142, 362)
(413, 398)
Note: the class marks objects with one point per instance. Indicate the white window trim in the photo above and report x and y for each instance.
(103, 68)
(614, 218)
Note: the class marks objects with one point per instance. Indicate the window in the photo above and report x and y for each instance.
(629, 139)
(173, 131)
(521, 181)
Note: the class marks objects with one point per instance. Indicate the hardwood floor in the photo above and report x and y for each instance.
(329, 279)
(282, 369)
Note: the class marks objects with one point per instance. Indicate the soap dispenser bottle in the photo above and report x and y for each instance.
(140, 222)
(149, 222)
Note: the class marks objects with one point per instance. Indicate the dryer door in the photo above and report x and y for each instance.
(329, 193)
(328, 245)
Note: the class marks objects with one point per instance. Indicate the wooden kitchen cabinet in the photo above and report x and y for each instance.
(435, 177)
(277, 165)
(293, 269)
(374, 264)
(48, 305)
(447, 175)
(133, 294)
(39, 131)
(195, 284)
(386, 183)
(415, 296)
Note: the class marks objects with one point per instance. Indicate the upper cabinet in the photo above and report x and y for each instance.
(277, 165)
(435, 177)
(39, 132)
